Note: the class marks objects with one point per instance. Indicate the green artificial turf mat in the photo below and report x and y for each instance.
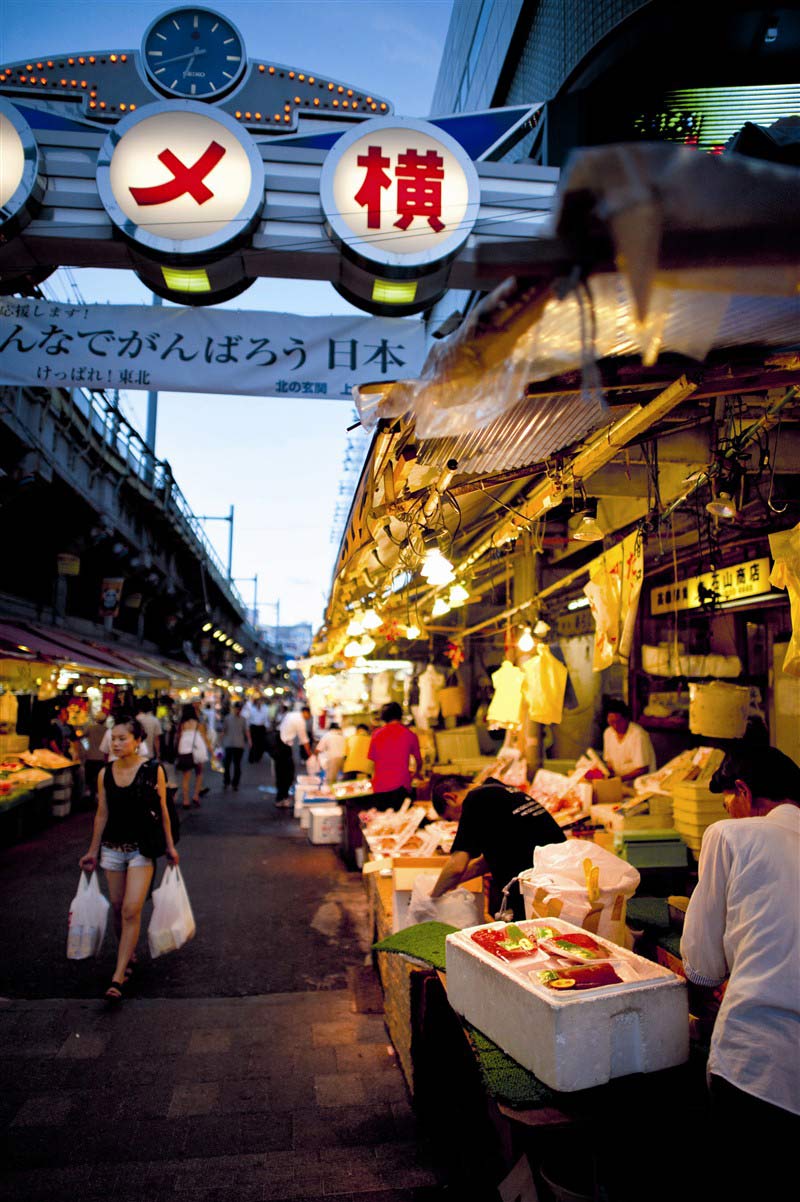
(648, 912)
(505, 1080)
(424, 942)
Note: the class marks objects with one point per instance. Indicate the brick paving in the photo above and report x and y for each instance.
(207, 1084)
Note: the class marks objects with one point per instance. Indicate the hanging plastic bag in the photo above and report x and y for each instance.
(785, 548)
(545, 685)
(172, 922)
(614, 588)
(88, 917)
(582, 883)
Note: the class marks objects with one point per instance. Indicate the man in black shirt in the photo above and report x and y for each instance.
(498, 830)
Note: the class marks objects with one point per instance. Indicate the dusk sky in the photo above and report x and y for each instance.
(279, 465)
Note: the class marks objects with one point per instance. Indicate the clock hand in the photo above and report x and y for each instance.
(178, 58)
(189, 66)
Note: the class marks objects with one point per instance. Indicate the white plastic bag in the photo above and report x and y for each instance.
(581, 883)
(459, 907)
(88, 916)
(172, 922)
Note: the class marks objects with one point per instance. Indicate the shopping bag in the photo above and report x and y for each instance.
(582, 883)
(172, 922)
(88, 916)
(458, 907)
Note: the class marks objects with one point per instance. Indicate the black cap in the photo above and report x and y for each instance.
(766, 771)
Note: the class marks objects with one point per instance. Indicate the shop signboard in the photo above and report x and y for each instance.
(110, 596)
(400, 199)
(181, 180)
(67, 564)
(736, 582)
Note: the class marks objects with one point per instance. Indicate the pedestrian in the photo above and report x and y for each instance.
(331, 751)
(123, 796)
(357, 762)
(95, 759)
(193, 753)
(293, 730)
(257, 716)
(235, 737)
(391, 749)
(151, 726)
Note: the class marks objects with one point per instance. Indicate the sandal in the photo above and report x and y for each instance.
(131, 969)
(115, 991)
(196, 802)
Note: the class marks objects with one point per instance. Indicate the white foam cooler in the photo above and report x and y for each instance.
(571, 1039)
(325, 825)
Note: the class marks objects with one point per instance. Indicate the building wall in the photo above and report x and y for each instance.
(557, 34)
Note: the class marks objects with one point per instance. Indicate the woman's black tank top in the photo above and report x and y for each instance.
(125, 808)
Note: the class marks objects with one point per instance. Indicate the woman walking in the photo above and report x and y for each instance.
(193, 752)
(125, 801)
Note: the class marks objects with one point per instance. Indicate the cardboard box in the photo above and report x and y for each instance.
(607, 792)
(406, 869)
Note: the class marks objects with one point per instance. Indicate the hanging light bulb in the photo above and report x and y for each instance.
(437, 569)
(412, 631)
(459, 595)
(440, 608)
(366, 645)
(583, 526)
(371, 621)
(355, 627)
(525, 640)
(722, 506)
(353, 649)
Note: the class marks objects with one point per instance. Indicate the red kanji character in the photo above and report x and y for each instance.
(369, 194)
(419, 188)
(184, 179)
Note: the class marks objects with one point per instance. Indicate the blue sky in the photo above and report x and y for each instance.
(278, 466)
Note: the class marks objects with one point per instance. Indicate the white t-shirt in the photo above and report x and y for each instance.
(151, 726)
(293, 727)
(332, 746)
(256, 715)
(743, 922)
(634, 750)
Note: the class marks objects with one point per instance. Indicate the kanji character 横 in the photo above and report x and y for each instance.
(369, 194)
(419, 188)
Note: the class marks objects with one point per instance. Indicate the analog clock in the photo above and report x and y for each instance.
(193, 53)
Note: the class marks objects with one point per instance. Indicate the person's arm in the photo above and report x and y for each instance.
(161, 789)
(416, 753)
(89, 862)
(459, 868)
(702, 942)
(157, 739)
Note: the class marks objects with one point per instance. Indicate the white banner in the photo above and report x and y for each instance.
(202, 350)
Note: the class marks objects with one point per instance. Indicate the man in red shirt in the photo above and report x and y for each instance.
(390, 749)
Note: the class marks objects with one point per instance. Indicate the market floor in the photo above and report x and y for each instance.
(239, 1068)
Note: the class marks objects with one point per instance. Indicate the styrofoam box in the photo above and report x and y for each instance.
(571, 1040)
(325, 824)
(311, 804)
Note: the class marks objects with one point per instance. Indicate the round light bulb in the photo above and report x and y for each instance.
(371, 621)
(525, 641)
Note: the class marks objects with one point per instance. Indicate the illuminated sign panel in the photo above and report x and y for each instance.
(399, 194)
(709, 117)
(181, 179)
(19, 165)
(734, 583)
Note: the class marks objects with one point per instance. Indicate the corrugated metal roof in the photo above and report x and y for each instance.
(530, 432)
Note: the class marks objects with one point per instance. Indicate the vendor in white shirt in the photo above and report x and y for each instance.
(743, 928)
(627, 749)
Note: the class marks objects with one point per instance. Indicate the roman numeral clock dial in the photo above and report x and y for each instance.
(193, 53)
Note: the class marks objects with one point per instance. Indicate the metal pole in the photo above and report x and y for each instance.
(230, 546)
(152, 415)
(255, 600)
(277, 619)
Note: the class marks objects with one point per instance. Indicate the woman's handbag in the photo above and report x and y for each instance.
(152, 838)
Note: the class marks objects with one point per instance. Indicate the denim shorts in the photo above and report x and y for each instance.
(115, 860)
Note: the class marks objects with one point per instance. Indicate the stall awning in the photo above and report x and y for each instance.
(28, 643)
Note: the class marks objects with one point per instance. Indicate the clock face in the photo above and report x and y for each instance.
(193, 53)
